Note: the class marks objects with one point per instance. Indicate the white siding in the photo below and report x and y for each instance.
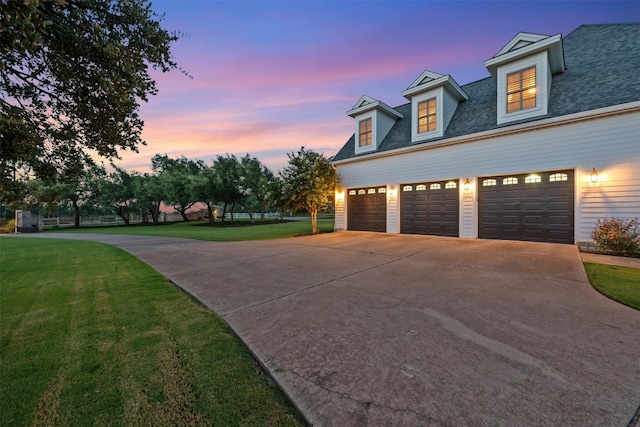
(450, 104)
(384, 125)
(468, 217)
(341, 213)
(610, 144)
(393, 210)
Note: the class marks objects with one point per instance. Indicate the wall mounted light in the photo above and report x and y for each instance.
(467, 185)
(594, 176)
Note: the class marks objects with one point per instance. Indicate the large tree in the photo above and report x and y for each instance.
(175, 176)
(256, 181)
(72, 76)
(309, 181)
(207, 187)
(116, 191)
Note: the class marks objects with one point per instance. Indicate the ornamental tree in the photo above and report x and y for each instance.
(309, 181)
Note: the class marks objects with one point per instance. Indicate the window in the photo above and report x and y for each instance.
(427, 116)
(434, 187)
(421, 187)
(557, 177)
(371, 191)
(521, 90)
(407, 188)
(532, 179)
(362, 192)
(365, 133)
(382, 190)
(489, 182)
(510, 180)
(450, 184)
(352, 192)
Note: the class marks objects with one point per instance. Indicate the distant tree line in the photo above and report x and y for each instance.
(229, 182)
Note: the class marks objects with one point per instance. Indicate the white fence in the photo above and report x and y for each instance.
(97, 221)
(237, 215)
(86, 221)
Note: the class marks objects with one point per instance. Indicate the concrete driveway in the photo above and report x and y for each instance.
(376, 329)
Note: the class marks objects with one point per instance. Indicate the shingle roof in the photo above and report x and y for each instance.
(602, 70)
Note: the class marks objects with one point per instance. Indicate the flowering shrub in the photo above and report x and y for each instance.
(617, 236)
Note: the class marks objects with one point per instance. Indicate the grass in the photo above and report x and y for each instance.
(200, 231)
(92, 336)
(621, 284)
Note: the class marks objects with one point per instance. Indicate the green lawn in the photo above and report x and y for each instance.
(621, 284)
(200, 231)
(92, 336)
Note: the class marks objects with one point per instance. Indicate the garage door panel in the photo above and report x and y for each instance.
(434, 210)
(533, 206)
(367, 210)
(533, 219)
(536, 211)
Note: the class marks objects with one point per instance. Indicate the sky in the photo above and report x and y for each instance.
(272, 76)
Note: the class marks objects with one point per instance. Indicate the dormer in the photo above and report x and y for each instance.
(434, 99)
(523, 71)
(374, 120)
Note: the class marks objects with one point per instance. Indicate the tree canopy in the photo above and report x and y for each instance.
(309, 181)
(72, 76)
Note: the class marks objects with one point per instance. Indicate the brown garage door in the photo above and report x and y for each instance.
(430, 208)
(367, 209)
(535, 207)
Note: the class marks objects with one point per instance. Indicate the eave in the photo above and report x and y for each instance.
(631, 107)
(552, 44)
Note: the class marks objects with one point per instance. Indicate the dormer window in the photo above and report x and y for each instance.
(427, 117)
(373, 120)
(521, 90)
(523, 70)
(365, 133)
(434, 98)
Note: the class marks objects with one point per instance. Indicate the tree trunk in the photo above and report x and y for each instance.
(121, 214)
(262, 211)
(246, 208)
(314, 220)
(211, 219)
(224, 212)
(153, 211)
(76, 214)
(184, 215)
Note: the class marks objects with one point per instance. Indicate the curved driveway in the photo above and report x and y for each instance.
(377, 329)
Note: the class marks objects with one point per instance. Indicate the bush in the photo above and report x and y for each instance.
(617, 236)
(8, 227)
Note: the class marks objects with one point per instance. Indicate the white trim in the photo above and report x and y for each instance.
(374, 133)
(552, 45)
(444, 81)
(538, 61)
(372, 104)
(615, 110)
(436, 94)
(521, 37)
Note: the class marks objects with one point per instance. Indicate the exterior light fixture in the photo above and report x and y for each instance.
(594, 176)
(467, 185)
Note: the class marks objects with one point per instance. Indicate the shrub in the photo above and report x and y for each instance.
(617, 236)
(8, 227)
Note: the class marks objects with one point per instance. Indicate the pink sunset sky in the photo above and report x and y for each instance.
(272, 76)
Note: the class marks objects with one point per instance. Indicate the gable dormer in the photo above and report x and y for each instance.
(523, 70)
(434, 99)
(374, 120)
